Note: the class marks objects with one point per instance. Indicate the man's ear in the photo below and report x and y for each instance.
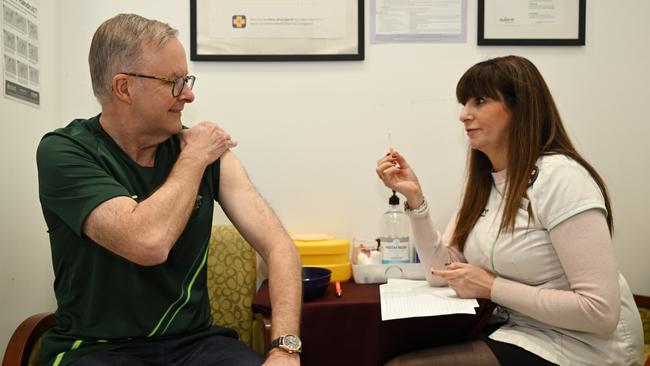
(121, 88)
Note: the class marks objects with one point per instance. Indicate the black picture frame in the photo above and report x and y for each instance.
(579, 40)
(196, 54)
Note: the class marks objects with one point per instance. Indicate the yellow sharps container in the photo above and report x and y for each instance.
(330, 253)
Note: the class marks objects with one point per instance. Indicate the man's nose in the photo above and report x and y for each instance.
(187, 94)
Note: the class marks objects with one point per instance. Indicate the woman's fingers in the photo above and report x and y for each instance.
(455, 265)
(446, 274)
(452, 271)
(401, 161)
(389, 156)
(385, 170)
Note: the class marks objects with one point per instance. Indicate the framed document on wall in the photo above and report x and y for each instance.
(531, 22)
(276, 30)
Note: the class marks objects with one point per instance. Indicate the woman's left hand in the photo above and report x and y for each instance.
(467, 280)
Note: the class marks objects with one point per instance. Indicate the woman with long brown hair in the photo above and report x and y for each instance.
(532, 233)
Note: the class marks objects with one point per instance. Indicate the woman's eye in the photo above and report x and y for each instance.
(480, 100)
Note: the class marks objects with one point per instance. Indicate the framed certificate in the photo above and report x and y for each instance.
(276, 30)
(531, 22)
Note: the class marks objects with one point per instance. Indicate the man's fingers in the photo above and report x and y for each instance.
(209, 123)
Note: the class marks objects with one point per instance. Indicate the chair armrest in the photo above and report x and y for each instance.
(642, 301)
(266, 319)
(23, 339)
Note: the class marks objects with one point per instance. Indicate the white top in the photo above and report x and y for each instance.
(557, 278)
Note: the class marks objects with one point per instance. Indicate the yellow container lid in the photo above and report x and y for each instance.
(319, 245)
(317, 260)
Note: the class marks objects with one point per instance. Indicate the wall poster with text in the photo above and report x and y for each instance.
(21, 70)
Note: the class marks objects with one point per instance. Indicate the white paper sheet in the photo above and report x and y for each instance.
(409, 299)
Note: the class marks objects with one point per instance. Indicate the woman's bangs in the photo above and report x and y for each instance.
(480, 80)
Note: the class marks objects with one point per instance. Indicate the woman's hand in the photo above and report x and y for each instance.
(467, 280)
(396, 174)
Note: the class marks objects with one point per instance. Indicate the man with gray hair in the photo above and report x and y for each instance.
(128, 199)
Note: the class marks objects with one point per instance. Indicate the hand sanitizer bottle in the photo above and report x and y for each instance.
(395, 244)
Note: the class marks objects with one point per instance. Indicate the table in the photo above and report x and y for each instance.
(349, 331)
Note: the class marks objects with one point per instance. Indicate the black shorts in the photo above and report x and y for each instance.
(213, 346)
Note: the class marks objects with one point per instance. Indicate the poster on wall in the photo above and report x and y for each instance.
(21, 71)
(430, 21)
(531, 22)
(276, 30)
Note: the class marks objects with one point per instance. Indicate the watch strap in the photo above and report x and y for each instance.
(275, 343)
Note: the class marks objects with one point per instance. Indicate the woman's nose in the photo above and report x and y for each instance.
(465, 114)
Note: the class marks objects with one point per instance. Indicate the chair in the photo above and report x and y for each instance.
(643, 303)
(24, 346)
(231, 286)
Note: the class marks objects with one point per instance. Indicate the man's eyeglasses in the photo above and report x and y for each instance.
(177, 84)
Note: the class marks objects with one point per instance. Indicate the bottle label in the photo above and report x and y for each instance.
(395, 249)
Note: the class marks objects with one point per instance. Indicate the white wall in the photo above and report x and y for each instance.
(25, 262)
(310, 133)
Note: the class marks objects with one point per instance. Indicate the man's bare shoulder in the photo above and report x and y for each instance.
(231, 167)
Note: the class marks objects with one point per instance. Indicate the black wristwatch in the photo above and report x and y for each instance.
(289, 343)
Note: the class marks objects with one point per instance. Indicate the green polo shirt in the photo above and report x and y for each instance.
(105, 301)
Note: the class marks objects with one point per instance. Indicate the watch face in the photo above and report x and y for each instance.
(292, 342)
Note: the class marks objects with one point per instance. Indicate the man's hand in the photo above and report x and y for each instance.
(278, 357)
(467, 280)
(144, 232)
(207, 141)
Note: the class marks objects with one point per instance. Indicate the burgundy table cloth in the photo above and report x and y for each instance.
(349, 330)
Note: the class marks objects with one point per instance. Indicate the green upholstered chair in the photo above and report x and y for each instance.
(231, 284)
(643, 303)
